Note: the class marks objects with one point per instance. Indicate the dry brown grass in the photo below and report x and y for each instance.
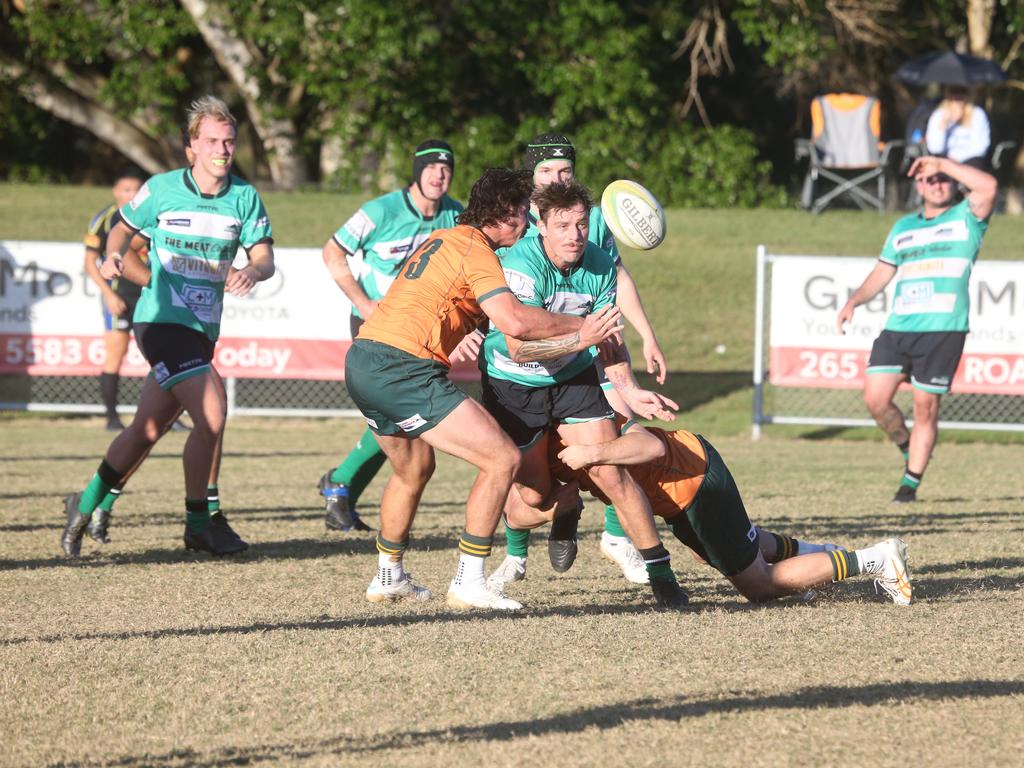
(143, 654)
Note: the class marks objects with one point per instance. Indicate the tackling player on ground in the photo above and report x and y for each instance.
(384, 232)
(690, 486)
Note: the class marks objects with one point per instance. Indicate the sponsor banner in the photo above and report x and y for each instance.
(293, 326)
(807, 350)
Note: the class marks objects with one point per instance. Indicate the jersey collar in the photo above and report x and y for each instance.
(416, 211)
(190, 183)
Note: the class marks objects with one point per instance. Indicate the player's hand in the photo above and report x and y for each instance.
(926, 166)
(845, 316)
(367, 308)
(239, 282)
(468, 350)
(115, 304)
(608, 350)
(655, 360)
(599, 325)
(111, 267)
(649, 404)
(577, 456)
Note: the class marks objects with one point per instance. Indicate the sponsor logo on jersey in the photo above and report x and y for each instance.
(196, 266)
(140, 196)
(198, 296)
(160, 373)
(916, 293)
(186, 223)
(233, 229)
(947, 232)
(522, 285)
(570, 303)
(752, 533)
(413, 422)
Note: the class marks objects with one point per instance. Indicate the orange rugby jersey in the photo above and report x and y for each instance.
(670, 482)
(435, 301)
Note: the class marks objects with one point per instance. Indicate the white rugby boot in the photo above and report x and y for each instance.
(512, 569)
(620, 550)
(476, 594)
(895, 579)
(394, 584)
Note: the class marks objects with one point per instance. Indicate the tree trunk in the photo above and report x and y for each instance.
(153, 155)
(277, 134)
(980, 14)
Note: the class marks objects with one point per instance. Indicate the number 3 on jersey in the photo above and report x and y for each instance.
(418, 262)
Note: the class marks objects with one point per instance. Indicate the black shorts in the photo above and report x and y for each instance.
(123, 321)
(526, 413)
(174, 352)
(715, 525)
(930, 359)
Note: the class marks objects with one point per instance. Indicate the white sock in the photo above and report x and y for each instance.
(613, 539)
(806, 548)
(470, 570)
(384, 562)
(871, 559)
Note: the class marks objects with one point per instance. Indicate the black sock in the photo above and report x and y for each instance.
(108, 391)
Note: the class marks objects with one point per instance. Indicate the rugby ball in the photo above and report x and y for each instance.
(633, 215)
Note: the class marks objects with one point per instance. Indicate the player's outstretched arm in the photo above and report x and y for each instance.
(515, 319)
(637, 446)
(628, 298)
(596, 327)
(873, 283)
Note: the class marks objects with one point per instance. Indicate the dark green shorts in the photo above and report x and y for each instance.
(715, 525)
(396, 392)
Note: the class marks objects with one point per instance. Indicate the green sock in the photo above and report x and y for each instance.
(360, 466)
(911, 479)
(517, 543)
(844, 564)
(612, 526)
(658, 563)
(905, 450)
(197, 514)
(106, 477)
(213, 499)
(108, 501)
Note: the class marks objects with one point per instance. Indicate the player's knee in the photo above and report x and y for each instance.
(758, 592)
(531, 496)
(608, 478)
(875, 403)
(926, 411)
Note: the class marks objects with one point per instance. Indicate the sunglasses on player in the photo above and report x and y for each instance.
(938, 178)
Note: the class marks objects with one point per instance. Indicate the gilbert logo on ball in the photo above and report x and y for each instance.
(633, 215)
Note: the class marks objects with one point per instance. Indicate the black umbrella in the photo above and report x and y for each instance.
(950, 68)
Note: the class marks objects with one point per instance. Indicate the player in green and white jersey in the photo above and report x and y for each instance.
(531, 386)
(930, 253)
(378, 238)
(551, 157)
(197, 218)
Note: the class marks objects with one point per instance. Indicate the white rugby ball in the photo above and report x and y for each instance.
(633, 215)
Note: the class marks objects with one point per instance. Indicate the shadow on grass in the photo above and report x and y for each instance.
(888, 522)
(164, 456)
(603, 718)
(291, 549)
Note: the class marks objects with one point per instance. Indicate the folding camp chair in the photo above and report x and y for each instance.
(845, 150)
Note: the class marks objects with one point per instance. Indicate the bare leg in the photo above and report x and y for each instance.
(879, 390)
(413, 463)
(156, 410)
(204, 401)
(926, 430)
(116, 343)
(761, 581)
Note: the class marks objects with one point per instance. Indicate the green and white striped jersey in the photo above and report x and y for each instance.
(193, 241)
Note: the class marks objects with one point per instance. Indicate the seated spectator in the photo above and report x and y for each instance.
(959, 129)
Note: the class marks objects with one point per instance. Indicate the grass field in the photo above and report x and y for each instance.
(142, 654)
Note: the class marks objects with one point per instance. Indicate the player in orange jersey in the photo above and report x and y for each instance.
(689, 485)
(397, 374)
